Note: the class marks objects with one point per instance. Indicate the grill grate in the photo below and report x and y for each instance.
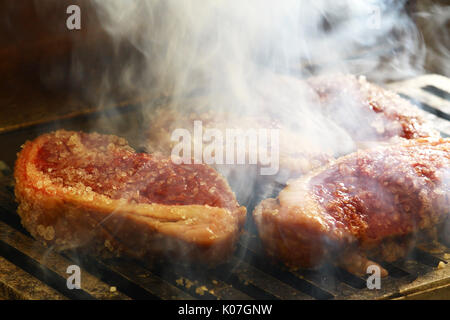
(30, 271)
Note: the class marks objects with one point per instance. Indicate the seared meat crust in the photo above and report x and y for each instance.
(92, 191)
(362, 204)
(367, 111)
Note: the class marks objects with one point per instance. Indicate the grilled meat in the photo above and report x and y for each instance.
(92, 191)
(379, 114)
(371, 203)
(298, 154)
(336, 115)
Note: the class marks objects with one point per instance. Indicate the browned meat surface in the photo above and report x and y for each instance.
(371, 203)
(367, 111)
(93, 191)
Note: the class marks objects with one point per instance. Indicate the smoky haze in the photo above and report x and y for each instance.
(244, 57)
(225, 46)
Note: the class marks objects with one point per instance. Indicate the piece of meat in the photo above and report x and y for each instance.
(318, 119)
(94, 192)
(298, 153)
(368, 112)
(371, 203)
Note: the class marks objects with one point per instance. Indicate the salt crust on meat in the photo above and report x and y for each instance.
(372, 202)
(94, 193)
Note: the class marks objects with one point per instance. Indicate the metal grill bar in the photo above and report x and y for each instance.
(16, 283)
(437, 92)
(46, 263)
(132, 279)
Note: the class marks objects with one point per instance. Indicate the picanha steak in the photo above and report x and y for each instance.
(374, 203)
(95, 193)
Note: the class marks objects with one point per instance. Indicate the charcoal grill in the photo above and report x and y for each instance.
(30, 271)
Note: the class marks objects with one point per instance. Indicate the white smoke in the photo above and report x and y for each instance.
(434, 23)
(234, 52)
(225, 46)
(244, 57)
